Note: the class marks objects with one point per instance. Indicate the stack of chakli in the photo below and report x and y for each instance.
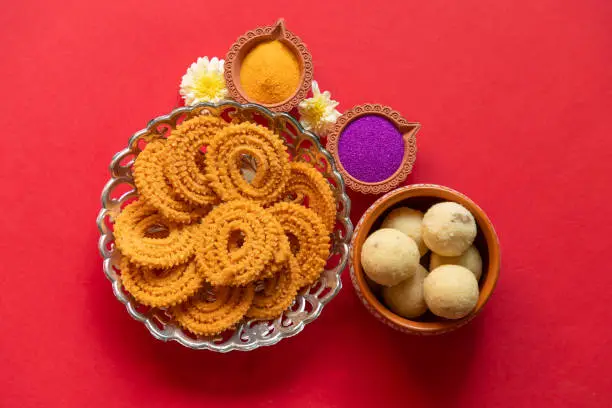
(209, 246)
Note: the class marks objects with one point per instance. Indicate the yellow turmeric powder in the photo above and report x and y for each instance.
(270, 73)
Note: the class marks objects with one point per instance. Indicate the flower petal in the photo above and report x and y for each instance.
(315, 88)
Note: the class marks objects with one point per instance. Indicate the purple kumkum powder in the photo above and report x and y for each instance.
(371, 148)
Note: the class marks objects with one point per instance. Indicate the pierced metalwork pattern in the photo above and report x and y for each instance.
(251, 334)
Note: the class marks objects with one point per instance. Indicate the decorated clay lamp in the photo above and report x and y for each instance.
(374, 148)
(269, 66)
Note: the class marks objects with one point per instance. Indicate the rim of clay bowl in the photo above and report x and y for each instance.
(408, 130)
(246, 42)
(487, 282)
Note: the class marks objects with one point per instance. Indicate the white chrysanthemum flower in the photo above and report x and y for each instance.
(318, 114)
(204, 81)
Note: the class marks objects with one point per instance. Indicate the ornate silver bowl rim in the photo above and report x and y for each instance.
(251, 334)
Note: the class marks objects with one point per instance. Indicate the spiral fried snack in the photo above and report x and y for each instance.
(221, 259)
(152, 184)
(133, 229)
(310, 235)
(281, 252)
(281, 255)
(306, 182)
(277, 294)
(160, 287)
(214, 310)
(226, 153)
(183, 154)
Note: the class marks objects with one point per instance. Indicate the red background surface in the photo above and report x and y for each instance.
(515, 100)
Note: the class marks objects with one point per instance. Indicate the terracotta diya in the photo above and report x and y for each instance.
(251, 39)
(397, 152)
(421, 197)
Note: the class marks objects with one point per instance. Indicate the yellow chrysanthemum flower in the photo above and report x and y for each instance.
(318, 114)
(204, 81)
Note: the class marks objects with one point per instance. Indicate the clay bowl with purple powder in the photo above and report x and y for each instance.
(246, 43)
(374, 148)
(421, 197)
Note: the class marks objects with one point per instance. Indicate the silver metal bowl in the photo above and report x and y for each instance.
(251, 334)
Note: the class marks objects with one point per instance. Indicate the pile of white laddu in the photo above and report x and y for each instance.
(391, 257)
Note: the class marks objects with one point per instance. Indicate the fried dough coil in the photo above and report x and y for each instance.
(220, 259)
(160, 287)
(154, 188)
(133, 228)
(224, 162)
(306, 228)
(214, 309)
(306, 182)
(278, 292)
(183, 161)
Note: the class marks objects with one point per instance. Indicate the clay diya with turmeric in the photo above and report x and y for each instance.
(269, 66)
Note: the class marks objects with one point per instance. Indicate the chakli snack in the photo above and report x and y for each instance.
(225, 155)
(307, 230)
(281, 254)
(160, 287)
(184, 158)
(261, 235)
(205, 233)
(214, 309)
(277, 292)
(132, 228)
(153, 186)
(305, 182)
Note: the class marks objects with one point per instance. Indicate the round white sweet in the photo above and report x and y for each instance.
(451, 291)
(470, 259)
(389, 256)
(449, 229)
(406, 298)
(409, 222)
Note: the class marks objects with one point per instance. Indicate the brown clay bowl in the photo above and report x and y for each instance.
(409, 131)
(421, 197)
(245, 43)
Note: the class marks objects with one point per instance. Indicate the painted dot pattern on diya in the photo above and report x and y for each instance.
(374, 148)
(269, 66)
